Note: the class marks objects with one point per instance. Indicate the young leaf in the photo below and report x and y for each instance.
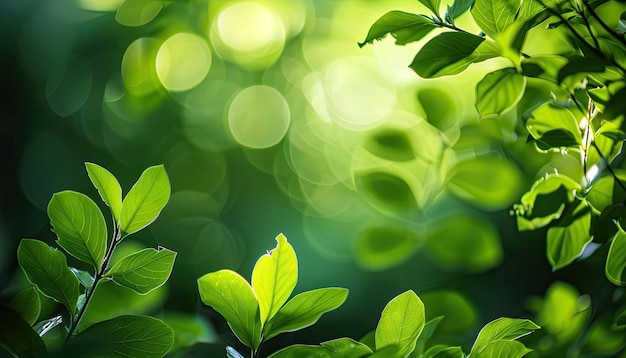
(27, 304)
(232, 297)
(566, 243)
(502, 329)
(615, 268)
(432, 5)
(16, 335)
(502, 349)
(499, 92)
(401, 322)
(340, 347)
(145, 200)
(304, 310)
(494, 16)
(125, 336)
(450, 53)
(83, 277)
(47, 269)
(143, 271)
(403, 26)
(108, 187)
(79, 225)
(458, 8)
(274, 277)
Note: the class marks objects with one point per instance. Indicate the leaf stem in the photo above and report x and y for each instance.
(99, 276)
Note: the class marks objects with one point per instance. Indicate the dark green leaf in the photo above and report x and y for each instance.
(616, 105)
(16, 335)
(304, 310)
(615, 268)
(386, 244)
(494, 16)
(125, 336)
(47, 269)
(47, 325)
(401, 322)
(502, 329)
(499, 92)
(503, 349)
(108, 188)
(143, 271)
(566, 243)
(403, 26)
(232, 297)
(145, 200)
(27, 304)
(189, 329)
(450, 53)
(579, 65)
(340, 347)
(458, 8)
(79, 225)
(427, 332)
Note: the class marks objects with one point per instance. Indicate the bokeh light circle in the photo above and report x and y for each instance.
(138, 70)
(259, 117)
(183, 61)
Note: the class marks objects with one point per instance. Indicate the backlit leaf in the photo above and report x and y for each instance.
(503, 349)
(494, 16)
(143, 271)
(549, 118)
(432, 5)
(427, 332)
(566, 243)
(274, 277)
(404, 27)
(47, 269)
(108, 188)
(125, 336)
(145, 200)
(27, 304)
(232, 297)
(16, 335)
(340, 347)
(304, 310)
(616, 260)
(79, 225)
(450, 53)
(401, 322)
(502, 329)
(499, 92)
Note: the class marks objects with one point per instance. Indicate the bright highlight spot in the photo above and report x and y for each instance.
(137, 12)
(183, 61)
(100, 5)
(259, 117)
(137, 66)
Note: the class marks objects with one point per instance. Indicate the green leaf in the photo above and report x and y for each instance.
(382, 245)
(340, 347)
(83, 277)
(79, 225)
(441, 351)
(566, 243)
(143, 271)
(401, 322)
(502, 329)
(16, 335)
(108, 187)
(404, 27)
(125, 336)
(274, 277)
(387, 189)
(47, 269)
(458, 8)
(427, 332)
(27, 304)
(499, 92)
(494, 16)
(47, 325)
(232, 353)
(616, 259)
(232, 297)
(304, 310)
(550, 118)
(621, 24)
(432, 5)
(450, 53)
(392, 144)
(563, 313)
(145, 200)
(189, 329)
(503, 349)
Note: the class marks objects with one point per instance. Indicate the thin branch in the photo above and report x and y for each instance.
(603, 24)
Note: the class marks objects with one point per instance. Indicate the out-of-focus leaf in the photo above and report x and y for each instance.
(621, 24)
(579, 65)
(143, 271)
(391, 144)
(386, 188)
(603, 340)
(566, 243)
(500, 349)
(502, 329)
(108, 187)
(304, 310)
(404, 27)
(125, 336)
(499, 92)
(383, 245)
(450, 53)
(232, 297)
(16, 335)
(401, 322)
(459, 313)
(27, 304)
(546, 67)
(274, 277)
(616, 260)
(427, 332)
(340, 347)
(47, 269)
(189, 329)
(616, 106)
(145, 200)
(494, 16)
(79, 225)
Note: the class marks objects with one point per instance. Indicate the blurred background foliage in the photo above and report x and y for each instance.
(269, 118)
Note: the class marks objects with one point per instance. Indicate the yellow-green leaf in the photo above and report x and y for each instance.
(401, 322)
(108, 187)
(616, 259)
